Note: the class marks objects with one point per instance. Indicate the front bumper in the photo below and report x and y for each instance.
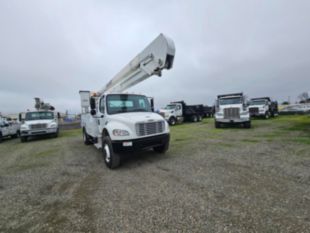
(139, 144)
(38, 132)
(233, 121)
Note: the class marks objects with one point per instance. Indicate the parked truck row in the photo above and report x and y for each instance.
(118, 123)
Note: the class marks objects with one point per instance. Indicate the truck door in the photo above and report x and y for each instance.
(178, 110)
(92, 125)
(4, 128)
(102, 113)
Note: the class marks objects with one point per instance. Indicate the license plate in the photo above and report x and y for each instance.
(127, 143)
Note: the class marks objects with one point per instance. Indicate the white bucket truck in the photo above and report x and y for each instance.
(116, 122)
(43, 121)
(232, 109)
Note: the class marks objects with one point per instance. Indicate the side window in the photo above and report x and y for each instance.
(102, 105)
(142, 103)
(178, 107)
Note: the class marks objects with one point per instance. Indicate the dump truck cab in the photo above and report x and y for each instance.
(263, 107)
(232, 109)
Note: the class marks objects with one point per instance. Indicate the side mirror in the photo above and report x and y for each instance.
(58, 115)
(93, 112)
(20, 117)
(92, 103)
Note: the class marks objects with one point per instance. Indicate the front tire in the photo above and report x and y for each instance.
(86, 138)
(111, 159)
(217, 124)
(247, 125)
(172, 121)
(267, 115)
(162, 149)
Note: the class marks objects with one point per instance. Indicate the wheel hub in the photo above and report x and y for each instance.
(107, 153)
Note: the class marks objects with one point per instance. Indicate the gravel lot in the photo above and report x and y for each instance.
(211, 180)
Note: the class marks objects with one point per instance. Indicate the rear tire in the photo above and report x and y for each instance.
(194, 118)
(111, 159)
(23, 138)
(162, 149)
(86, 138)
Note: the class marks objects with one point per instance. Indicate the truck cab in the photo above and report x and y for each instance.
(38, 123)
(122, 123)
(8, 128)
(232, 109)
(263, 107)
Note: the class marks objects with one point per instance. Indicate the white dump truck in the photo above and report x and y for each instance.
(263, 107)
(8, 128)
(118, 122)
(232, 109)
(42, 122)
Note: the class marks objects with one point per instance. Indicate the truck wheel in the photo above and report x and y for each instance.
(24, 139)
(86, 138)
(217, 124)
(0, 137)
(172, 121)
(267, 115)
(247, 125)
(199, 118)
(56, 134)
(162, 149)
(111, 159)
(194, 118)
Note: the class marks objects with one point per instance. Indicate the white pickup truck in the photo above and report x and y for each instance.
(8, 129)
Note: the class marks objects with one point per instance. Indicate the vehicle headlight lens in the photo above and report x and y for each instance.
(24, 127)
(53, 125)
(120, 132)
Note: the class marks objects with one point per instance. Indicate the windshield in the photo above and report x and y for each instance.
(258, 102)
(227, 101)
(127, 103)
(39, 116)
(170, 106)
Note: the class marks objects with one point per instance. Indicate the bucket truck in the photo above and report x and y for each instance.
(43, 121)
(117, 122)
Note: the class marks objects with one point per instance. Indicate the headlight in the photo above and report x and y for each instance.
(53, 125)
(120, 132)
(24, 127)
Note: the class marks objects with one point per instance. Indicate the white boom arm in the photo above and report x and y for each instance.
(152, 60)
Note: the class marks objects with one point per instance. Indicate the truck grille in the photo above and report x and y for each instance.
(38, 126)
(150, 128)
(231, 113)
(253, 110)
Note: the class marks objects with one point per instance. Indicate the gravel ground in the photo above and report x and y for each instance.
(225, 180)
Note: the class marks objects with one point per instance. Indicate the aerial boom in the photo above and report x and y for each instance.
(152, 60)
